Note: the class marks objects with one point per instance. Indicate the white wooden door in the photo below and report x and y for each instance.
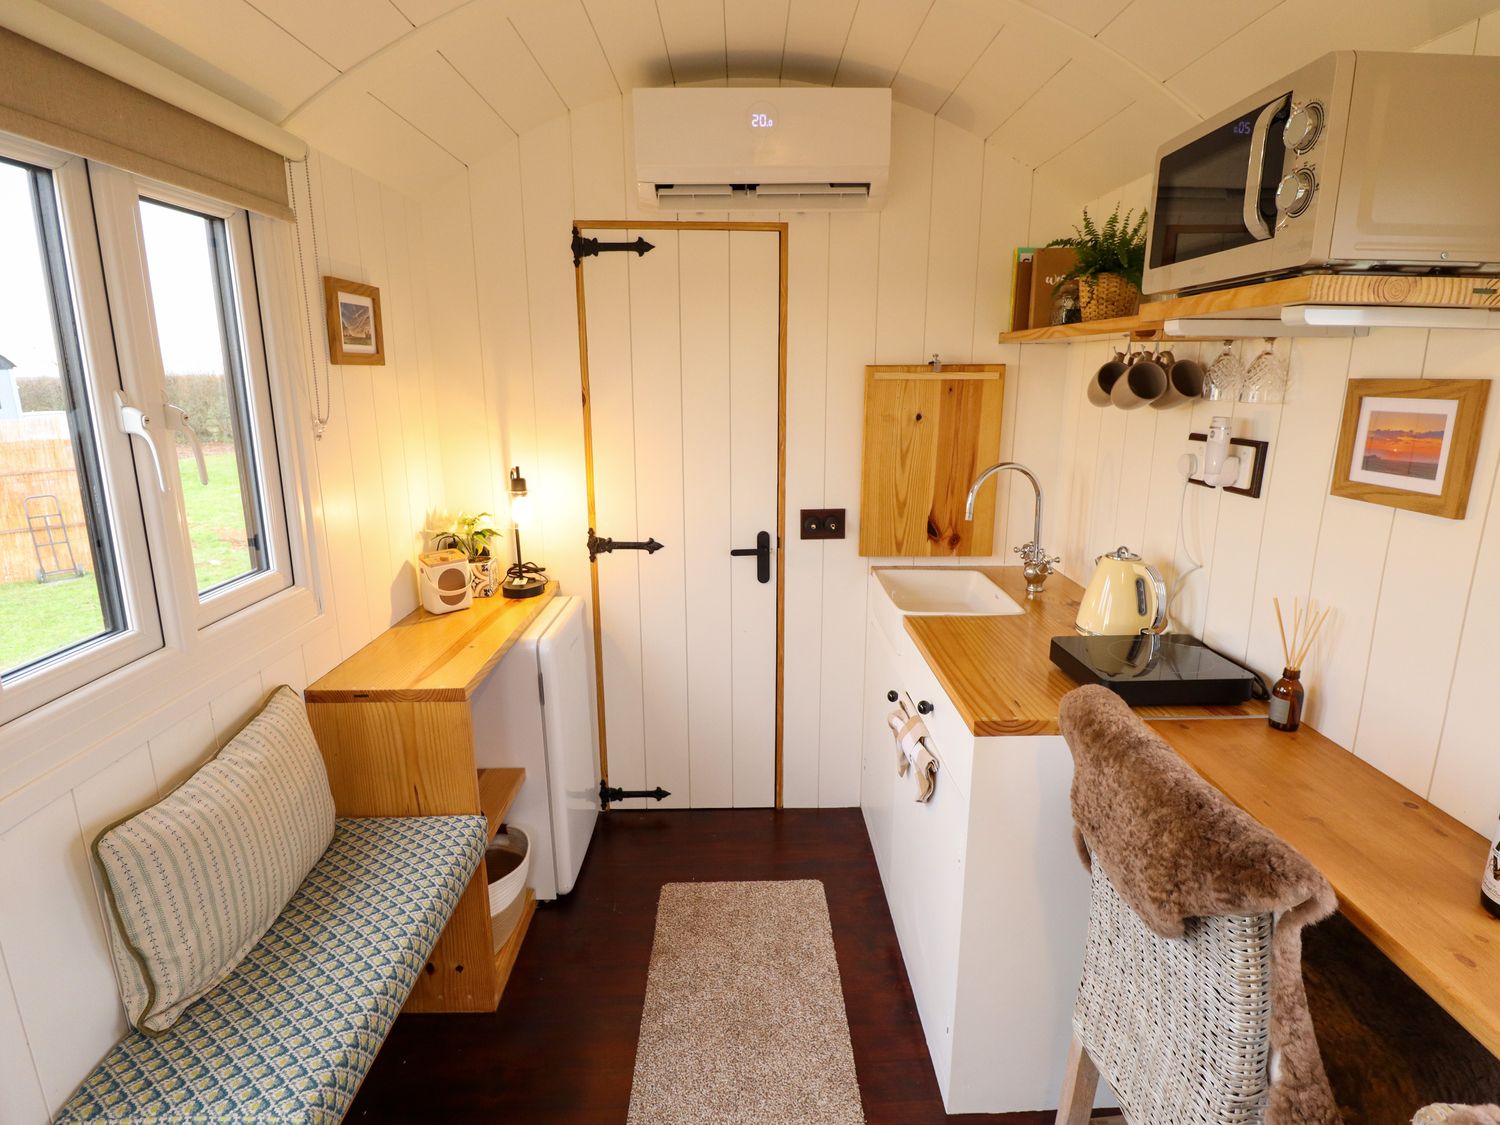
(683, 383)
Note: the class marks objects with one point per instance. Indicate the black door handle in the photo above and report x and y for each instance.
(762, 553)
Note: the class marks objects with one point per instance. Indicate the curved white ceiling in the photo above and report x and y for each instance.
(414, 90)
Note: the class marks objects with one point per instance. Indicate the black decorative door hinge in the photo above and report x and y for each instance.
(598, 546)
(584, 247)
(608, 794)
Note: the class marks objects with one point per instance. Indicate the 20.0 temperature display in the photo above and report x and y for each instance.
(762, 121)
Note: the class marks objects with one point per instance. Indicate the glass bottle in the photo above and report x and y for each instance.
(1489, 885)
(1286, 700)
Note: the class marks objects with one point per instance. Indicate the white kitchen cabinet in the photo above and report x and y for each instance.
(878, 767)
(989, 900)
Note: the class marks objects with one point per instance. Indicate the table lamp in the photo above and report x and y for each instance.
(523, 579)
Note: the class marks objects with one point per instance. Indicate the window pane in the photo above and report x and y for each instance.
(203, 357)
(58, 586)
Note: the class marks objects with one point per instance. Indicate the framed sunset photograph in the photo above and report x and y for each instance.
(1411, 443)
(355, 333)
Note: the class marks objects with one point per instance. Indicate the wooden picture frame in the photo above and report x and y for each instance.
(356, 333)
(1411, 443)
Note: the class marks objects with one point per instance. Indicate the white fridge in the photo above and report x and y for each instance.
(534, 712)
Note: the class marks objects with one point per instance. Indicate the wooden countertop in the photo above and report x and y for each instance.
(432, 657)
(1406, 873)
(998, 671)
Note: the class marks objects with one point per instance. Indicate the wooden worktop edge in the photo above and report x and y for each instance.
(519, 622)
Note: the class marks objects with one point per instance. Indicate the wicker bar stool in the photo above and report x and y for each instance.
(1191, 1003)
(1178, 1027)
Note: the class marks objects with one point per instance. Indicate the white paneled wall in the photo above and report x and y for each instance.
(379, 468)
(1401, 672)
(929, 273)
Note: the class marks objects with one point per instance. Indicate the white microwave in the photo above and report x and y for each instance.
(1359, 161)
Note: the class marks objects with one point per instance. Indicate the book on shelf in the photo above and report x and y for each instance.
(1020, 288)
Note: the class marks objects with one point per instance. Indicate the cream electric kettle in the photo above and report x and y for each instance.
(1125, 597)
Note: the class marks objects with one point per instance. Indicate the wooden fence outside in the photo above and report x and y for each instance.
(36, 459)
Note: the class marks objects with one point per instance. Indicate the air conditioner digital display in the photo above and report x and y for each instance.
(763, 115)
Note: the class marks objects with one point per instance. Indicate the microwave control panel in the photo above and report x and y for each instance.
(1303, 127)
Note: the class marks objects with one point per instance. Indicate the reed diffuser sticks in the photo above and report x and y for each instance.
(1287, 696)
(1296, 652)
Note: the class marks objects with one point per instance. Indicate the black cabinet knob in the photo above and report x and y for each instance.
(924, 708)
(892, 696)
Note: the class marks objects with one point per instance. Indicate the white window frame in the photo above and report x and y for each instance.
(181, 647)
(117, 197)
(71, 669)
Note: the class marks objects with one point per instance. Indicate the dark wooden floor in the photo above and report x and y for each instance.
(561, 1047)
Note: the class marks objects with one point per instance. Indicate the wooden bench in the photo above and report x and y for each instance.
(290, 1034)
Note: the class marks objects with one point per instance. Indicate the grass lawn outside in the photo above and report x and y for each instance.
(40, 618)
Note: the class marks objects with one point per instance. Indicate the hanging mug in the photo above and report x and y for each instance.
(1184, 384)
(1144, 381)
(1105, 378)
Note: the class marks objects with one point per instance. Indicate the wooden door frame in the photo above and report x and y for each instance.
(781, 231)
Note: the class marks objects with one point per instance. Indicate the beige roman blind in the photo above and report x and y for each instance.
(52, 99)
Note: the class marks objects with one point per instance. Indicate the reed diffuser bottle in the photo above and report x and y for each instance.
(1286, 700)
(1288, 696)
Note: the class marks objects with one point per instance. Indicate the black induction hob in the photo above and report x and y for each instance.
(1154, 670)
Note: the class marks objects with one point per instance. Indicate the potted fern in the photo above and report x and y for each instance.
(1110, 260)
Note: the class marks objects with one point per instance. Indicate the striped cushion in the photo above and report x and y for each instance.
(196, 880)
(287, 1037)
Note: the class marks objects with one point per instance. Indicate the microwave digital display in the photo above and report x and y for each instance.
(1200, 190)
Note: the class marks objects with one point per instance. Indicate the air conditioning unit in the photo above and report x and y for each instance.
(762, 149)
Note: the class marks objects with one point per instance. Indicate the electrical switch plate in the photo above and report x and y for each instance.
(822, 523)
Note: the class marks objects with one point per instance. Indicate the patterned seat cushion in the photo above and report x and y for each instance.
(286, 1038)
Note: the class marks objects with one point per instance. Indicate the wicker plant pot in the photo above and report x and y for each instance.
(1106, 296)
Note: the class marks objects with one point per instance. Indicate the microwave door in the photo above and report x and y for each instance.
(1215, 199)
(1253, 209)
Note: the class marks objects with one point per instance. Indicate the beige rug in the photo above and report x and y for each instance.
(744, 1018)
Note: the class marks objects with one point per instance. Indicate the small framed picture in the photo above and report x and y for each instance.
(1411, 443)
(355, 333)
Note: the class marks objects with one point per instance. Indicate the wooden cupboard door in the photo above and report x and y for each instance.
(683, 356)
(927, 900)
(927, 436)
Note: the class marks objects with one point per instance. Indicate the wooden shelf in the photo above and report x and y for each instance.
(1381, 290)
(1263, 301)
(505, 956)
(497, 789)
(1136, 327)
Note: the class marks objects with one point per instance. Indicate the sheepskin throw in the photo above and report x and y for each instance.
(1458, 1115)
(1175, 848)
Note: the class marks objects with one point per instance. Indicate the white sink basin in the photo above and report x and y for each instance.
(950, 591)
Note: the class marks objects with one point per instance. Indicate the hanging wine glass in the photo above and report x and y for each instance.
(1224, 375)
(1265, 380)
